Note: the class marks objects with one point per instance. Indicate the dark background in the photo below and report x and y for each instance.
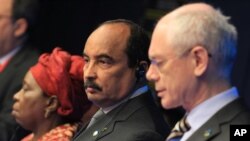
(67, 23)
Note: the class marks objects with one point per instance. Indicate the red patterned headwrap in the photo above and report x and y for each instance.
(61, 74)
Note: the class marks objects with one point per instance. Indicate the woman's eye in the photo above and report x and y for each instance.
(24, 88)
(86, 59)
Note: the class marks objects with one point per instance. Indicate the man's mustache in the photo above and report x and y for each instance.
(92, 85)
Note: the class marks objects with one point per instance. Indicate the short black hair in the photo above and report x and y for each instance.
(137, 43)
(27, 9)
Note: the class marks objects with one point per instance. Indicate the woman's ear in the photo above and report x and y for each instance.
(20, 27)
(52, 104)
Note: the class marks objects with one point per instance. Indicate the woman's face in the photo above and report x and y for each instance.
(29, 103)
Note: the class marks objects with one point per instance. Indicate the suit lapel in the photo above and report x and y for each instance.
(8, 74)
(207, 131)
(212, 127)
(107, 124)
(120, 114)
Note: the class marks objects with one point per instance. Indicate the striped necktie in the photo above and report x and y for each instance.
(178, 131)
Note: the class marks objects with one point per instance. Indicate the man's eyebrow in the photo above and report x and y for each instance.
(104, 56)
(100, 56)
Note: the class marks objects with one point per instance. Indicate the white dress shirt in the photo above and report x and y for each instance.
(6, 57)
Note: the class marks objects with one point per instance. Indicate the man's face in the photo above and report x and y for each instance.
(6, 27)
(172, 74)
(107, 77)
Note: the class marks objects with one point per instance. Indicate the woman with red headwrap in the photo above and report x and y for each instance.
(52, 100)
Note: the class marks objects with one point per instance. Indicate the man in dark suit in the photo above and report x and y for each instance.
(116, 60)
(16, 56)
(192, 53)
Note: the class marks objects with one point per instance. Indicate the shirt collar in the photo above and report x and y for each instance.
(197, 117)
(136, 93)
(6, 57)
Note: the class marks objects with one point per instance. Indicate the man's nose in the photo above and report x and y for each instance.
(151, 73)
(89, 71)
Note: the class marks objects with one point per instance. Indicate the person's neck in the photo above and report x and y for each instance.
(12, 45)
(203, 92)
(138, 88)
(89, 114)
(6, 52)
(45, 126)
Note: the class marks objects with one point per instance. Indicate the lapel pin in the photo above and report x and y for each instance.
(207, 133)
(95, 133)
(104, 129)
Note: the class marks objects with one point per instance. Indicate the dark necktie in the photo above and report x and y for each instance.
(178, 131)
(96, 117)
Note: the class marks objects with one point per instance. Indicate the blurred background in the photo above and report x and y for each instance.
(67, 23)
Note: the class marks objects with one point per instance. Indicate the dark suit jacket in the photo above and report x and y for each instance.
(138, 119)
(11, 79)
(218, 127)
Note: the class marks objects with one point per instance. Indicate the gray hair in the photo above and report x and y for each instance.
(209, 29)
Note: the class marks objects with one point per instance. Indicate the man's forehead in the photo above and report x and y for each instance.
(160, 46)
(98, 51)
(112, 30)
(106, 41)
(5, 7)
